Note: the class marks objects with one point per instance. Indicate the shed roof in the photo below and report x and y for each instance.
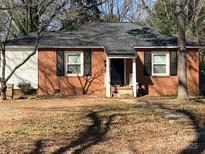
(116, 38)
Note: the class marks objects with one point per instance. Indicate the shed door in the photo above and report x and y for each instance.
(117, 72)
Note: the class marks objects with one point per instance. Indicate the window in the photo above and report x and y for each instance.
(74, 63)
(160, 63)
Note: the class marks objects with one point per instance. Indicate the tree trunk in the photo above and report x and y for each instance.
(3, 91)
(3, 83)
(182, 59)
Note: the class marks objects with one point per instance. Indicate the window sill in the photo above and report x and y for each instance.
(160, 76)
(74, 75)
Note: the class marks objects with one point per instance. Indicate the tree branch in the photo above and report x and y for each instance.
(150, 13)
(27, 58)
(42, 27)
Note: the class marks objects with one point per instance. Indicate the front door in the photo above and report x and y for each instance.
(117, 72)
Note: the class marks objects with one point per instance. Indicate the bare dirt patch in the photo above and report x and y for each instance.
(91, 125)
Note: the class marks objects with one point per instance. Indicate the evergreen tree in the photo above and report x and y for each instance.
(85, 11)
(163, 17)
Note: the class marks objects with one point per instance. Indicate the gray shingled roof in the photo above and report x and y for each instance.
(116, 38)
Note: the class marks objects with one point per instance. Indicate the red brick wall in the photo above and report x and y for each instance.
(49, 82)
(155, 86)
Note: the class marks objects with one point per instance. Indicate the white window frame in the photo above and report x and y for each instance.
(167, 63)
(0, 58)
(67, 53)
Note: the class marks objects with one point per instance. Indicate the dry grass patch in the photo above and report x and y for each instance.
(88, 125)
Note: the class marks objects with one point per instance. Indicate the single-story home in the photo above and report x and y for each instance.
(104, 59)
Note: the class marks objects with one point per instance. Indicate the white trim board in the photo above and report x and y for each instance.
(120, 57)
(125, 72)
(87, 47)
(19, 48)
(41, 47)
(168, 47)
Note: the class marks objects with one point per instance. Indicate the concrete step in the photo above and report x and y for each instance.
(117, 95)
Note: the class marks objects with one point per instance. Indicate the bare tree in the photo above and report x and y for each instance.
(182, 59)
(121, 10)
(41, 27)
(26, 15)
(150, 13)
(196, 18)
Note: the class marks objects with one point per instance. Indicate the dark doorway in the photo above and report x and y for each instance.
(202, 82)
(117, 72)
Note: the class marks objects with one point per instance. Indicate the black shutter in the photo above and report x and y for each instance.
(173, 63)
(147, 63)
(60, 66)
(88, 63)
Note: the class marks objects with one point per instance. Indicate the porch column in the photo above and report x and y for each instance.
(134, 76)
(108, 78)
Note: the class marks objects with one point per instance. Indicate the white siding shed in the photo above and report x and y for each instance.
(28, 72)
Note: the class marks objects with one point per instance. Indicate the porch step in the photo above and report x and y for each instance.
(116, 95)
(123, 93)
(123, 88)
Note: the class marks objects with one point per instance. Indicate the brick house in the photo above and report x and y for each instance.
(107, 59)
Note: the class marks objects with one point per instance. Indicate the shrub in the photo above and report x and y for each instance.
(25, 87)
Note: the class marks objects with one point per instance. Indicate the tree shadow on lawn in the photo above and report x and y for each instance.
(199, 99)
(197, 146)
(92, 135)
(38, 147)
(97, 131)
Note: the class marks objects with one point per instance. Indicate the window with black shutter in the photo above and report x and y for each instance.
(160, 63)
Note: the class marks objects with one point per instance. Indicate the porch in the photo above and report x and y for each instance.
(121, 76)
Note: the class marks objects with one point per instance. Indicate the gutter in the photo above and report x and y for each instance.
(42, 47)
(168, 47)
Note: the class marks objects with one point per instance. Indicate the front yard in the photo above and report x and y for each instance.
(99, 125)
